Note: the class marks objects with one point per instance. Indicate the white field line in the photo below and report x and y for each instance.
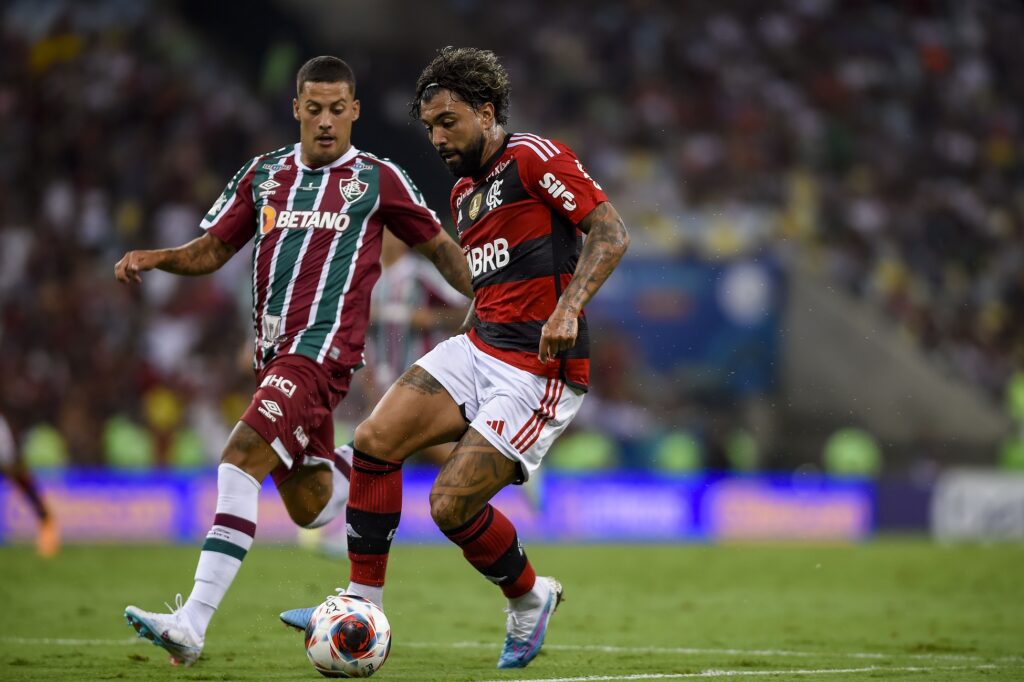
(691, 651)
(685, 651)
(750, 673)
(62, 641)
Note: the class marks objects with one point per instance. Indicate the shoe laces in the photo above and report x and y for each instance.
(514, 625)
(179, 604)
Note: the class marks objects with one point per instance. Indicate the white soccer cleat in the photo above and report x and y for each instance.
(525, 629)
(171, 631)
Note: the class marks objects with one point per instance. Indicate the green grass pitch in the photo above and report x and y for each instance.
(888, 610)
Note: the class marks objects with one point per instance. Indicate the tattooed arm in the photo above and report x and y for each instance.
(449, 260)
(606, 242)
(200, 256)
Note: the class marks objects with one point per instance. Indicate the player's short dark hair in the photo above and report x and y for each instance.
(325, 70)
(475, 76)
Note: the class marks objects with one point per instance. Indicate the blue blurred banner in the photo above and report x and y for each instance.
(606, 507)
(715, 321)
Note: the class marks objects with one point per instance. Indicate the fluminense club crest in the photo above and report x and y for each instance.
(353, 188)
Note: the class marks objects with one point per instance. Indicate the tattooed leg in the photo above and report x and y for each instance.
(460, 505)
(415, 413)
(473, 474)
(419, 380)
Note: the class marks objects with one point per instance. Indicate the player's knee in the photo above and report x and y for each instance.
(303, 515)
(448, 511)
(375, 439)
(305, 495)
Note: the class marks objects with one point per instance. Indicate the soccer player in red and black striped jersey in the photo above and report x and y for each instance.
(522, 206)
(315, 212)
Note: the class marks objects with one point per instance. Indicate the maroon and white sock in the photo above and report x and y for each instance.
(489, 542)
(374, 510)
(227, 543)
(24, 482)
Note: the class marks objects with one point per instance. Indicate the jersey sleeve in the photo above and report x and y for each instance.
(403, 208)
(561, 182)
(232, 218)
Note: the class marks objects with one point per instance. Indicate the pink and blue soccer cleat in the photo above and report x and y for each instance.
(525, 630)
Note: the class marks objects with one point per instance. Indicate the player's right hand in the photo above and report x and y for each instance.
(134, 262)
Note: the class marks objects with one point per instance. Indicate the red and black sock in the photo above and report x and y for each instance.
(489, 542)
(27, 485)
(374, 510)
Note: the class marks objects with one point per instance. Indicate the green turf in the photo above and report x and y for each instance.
(670, 611)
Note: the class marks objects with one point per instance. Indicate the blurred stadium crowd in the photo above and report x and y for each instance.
(881, 142)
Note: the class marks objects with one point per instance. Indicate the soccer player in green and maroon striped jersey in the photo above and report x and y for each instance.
(316, 212)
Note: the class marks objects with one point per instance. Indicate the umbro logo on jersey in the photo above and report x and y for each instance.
(267, 188)
(270, 410)
(352, 189)
(497, 425)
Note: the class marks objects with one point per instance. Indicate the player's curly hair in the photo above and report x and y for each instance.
(475, 75)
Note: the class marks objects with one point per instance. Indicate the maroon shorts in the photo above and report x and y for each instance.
(292, 409)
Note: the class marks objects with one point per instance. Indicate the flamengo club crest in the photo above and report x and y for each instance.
(353, 188)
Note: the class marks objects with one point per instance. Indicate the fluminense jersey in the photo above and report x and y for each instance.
(405, 286)
(517, 225)
(317, 246)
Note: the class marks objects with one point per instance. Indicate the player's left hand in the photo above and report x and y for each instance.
(557, 334)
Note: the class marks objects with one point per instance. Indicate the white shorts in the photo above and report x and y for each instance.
(519, 413)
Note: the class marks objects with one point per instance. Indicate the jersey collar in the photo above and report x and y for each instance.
(340, 161)
(491, 162)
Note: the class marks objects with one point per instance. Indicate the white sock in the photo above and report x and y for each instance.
(339, 488)
(226, 544)
(532, 599)
(374, 594)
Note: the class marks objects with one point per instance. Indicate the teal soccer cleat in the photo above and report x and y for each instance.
(170, 631)
(297, 618)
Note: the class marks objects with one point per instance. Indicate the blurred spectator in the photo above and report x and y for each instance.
(884, 141)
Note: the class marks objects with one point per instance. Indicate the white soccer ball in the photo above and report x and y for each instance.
(348, 636)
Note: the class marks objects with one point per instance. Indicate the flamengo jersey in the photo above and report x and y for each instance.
(316, 254)
(517, 224)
